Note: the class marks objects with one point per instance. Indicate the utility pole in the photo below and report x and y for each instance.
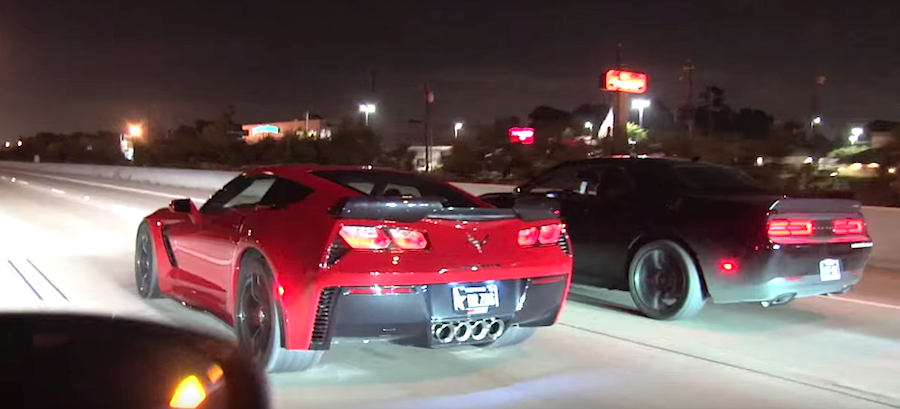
(429, 99)
(687, 75)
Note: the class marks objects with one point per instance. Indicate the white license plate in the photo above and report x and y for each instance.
(830, 269)
(476, 299)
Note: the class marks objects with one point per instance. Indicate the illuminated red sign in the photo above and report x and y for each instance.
(525, 136)
(626, 81)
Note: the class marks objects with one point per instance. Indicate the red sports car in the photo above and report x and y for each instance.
(295, 257)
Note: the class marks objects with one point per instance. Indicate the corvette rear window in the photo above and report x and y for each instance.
(387, 184)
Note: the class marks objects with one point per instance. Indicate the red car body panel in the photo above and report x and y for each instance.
(208, 250)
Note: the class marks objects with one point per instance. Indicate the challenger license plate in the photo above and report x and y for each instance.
(830, 269)
(476, 299)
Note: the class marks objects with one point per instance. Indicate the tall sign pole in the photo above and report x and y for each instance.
(623, 82)
(429, 99)
(620, 114)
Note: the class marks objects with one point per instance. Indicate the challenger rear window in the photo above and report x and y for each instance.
(715, 178)
(390, 184)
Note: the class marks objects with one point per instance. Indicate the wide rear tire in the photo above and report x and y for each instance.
(146, 273)
(259, 321)
(665, 282)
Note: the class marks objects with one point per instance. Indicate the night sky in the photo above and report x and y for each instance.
(84, 65)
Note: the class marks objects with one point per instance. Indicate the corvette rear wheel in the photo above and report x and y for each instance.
(260, 325)
(665, 282)
(146, 276)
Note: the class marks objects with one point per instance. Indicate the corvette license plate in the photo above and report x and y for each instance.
(476, 299)
(830, 269)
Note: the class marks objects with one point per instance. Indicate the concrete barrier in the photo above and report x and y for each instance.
(883, 223)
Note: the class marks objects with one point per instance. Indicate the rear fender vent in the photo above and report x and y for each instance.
(563, 243)
(321, 338)
(337, 250)
(168, 246)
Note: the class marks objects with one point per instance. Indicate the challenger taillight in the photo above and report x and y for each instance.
(547, 234)
(790, 228)
(381, 238)
(848, 226)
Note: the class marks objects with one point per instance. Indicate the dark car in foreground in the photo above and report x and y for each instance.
(678, 233)
(296, 257)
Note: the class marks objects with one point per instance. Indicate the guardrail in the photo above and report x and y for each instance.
(883, 222)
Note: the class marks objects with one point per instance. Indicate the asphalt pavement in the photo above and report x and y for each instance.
(821, 352)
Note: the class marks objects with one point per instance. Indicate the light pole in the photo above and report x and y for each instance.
(640, 105)
(590, 127)
(135, 130)
(367, 109)
(456, 128)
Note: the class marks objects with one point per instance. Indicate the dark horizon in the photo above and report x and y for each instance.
(67, 67)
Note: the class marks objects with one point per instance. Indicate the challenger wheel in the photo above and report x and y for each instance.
(146, 276)
(665, 282)
(259, 323)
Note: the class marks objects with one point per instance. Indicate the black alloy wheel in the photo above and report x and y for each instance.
(145, 274)
(256, 315)
(665, 282)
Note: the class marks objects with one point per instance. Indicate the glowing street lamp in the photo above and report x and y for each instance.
(456, 128)
(19, 143)
(367, 109)
(640, 105)
(817, 121)
(135, 130)
(590, 127)
(7, 144)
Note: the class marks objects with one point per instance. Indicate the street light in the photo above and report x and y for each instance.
(590, 127)
(855, 133)
(367, 109)
(456, 128)
(640, 105)
(135, 130)
(817, 121)
(7, 144)
(19, 143)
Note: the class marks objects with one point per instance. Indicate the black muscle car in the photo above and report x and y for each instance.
(677, 233)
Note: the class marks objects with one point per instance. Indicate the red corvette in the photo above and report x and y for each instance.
(296, 257)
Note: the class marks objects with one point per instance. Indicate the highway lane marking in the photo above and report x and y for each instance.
(863, 302)
(42, 287)
(57, 191)
(109, 186)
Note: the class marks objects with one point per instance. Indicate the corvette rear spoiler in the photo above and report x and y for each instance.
(412, 210)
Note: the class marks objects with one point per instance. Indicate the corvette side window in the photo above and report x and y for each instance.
(285, 192)
(252, 194)
(225, 194)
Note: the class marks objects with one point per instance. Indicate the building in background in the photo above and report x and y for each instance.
(314, 127)
(437, 156)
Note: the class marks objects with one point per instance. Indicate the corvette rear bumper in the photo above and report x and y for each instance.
(411, 314)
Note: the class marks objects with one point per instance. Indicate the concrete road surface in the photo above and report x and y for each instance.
(813, 353)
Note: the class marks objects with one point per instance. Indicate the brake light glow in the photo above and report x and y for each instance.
(848, 226)
(528, 237)
(783, 228)
(549, 234)
(365, 237)
(380, 238)
(728, 266)
(409, 239)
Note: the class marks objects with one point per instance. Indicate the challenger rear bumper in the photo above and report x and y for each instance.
(780, 273)
(412, 316)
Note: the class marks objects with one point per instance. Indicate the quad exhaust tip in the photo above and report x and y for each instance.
(462, 331)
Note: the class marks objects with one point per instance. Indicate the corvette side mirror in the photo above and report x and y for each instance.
(121, 363)
(182, 206)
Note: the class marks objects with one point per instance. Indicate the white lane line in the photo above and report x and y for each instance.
(109, 186)
(863, 302)
(43, 289)
(58, 191)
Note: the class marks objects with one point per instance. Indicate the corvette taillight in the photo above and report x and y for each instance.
(790, 228)
(848, 226)
(365, 237)
(409, 239)
(547, 234)
(379, 238)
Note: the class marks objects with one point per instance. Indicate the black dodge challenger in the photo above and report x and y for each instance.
(678, 233)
